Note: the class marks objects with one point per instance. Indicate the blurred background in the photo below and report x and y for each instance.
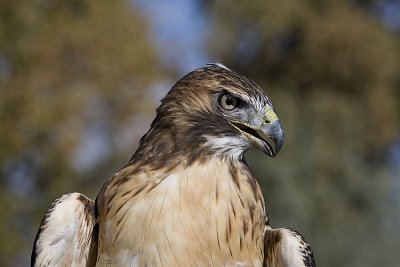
(80, 80)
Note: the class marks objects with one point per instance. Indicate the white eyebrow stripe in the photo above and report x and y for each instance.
(258, 101)
(242, 96)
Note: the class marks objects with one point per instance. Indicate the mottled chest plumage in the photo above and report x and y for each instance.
(204, 215)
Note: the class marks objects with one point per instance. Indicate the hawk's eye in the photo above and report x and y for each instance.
(228, 101)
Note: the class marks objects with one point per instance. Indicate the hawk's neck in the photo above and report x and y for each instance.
(187, 143)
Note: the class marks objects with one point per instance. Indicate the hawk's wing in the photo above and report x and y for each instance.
(286, 247)
(65, 234)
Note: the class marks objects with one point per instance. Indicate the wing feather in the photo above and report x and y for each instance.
(285, 247)
(65, 236)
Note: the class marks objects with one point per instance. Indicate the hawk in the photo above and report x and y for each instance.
(187, 196)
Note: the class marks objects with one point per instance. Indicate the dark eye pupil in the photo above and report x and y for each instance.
(229, 100)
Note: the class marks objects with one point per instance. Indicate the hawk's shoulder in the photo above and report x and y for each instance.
(65, 233)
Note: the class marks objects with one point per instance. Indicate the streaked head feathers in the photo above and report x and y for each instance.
(195, 122)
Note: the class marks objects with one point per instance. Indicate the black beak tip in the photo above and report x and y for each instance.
(273, 150)
(278, 145)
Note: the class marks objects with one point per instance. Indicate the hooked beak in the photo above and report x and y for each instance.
(272, 131)
(268, 137)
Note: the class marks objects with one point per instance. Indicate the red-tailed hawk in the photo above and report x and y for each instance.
(187, 196)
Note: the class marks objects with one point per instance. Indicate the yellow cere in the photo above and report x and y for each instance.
(270, 115)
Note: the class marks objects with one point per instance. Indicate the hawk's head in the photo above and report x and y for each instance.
(214, 111)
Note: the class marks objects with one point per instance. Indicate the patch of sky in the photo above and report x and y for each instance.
(94, 147)
(389, 13)
(21, 173)
(179, 30)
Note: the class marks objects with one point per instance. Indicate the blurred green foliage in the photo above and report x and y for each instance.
(76, 71)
